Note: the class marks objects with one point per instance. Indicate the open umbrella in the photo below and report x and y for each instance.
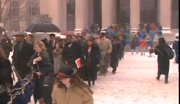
(43, 27)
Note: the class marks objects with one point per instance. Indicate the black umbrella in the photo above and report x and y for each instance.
(43, 27)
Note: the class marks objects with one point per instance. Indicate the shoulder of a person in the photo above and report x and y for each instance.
(55, 86)
(28, 44)
(44, 54)
(82, 91)
(6, 61)
(76, 43)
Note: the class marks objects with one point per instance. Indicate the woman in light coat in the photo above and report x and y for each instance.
(70, 89)
(58, 56)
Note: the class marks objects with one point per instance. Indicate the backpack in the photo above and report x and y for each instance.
(170, 52)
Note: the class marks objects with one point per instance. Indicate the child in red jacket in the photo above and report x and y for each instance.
(143, 47)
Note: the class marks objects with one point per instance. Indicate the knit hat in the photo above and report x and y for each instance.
(66, 71)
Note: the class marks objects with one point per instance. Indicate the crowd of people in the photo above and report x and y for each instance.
(60, 66)
(71, 61)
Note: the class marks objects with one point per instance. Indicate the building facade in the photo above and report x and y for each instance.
(17, 15)
(77, 14)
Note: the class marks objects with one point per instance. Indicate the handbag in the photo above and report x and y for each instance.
(48, 80)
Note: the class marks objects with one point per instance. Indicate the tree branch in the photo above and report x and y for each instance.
(4, 2)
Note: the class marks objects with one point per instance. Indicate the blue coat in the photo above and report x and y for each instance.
(152, 35)
(176, 49)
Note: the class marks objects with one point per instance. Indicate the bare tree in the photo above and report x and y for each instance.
(12, 9)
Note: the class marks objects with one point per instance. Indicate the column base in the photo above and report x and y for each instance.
(76, 31)
(166, 30)
(134, 30)
(103, 30)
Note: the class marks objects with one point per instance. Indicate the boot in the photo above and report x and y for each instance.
(166, 79)
(158, 77)
(114, 71)
(89, 83)
(93, 82)
(41, 101)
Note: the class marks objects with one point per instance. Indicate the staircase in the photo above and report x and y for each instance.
(169, 37)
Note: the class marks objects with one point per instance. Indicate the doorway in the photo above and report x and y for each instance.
(123, 11)
(148, 11)
(175, 14)
(98, 12)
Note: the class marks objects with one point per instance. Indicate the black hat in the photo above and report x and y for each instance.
(66, 71)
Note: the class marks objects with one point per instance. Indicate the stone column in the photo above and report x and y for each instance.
(165, 13)
(108, 13)
(134, 14)
(58, 13)
(44, 6)
(82, 15)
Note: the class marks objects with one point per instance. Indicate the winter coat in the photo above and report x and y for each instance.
(163, 62)
(105, 48)
(176, 49)
(73, 95)
(115, 54)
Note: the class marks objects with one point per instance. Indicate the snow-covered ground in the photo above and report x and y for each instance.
(135, 83)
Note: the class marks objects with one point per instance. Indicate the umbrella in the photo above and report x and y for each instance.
(43, 27)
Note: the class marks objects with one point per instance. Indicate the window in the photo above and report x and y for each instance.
(34, 8)
(16, 25)
(15, 9)
(15, 13)
(34, 11)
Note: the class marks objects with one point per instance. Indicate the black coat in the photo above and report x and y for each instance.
(21, 58)
(132, 43)
(93, 59)
(70, 54)
(163, 62)
(6, 46)
(45, 67)
(84, 48)
(5, 72)
(115, 54)
(5, 78)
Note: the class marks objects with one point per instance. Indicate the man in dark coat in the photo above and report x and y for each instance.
(52, 41)
(51, 46)
(21, 55)
(71, 52)
(116, 48)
